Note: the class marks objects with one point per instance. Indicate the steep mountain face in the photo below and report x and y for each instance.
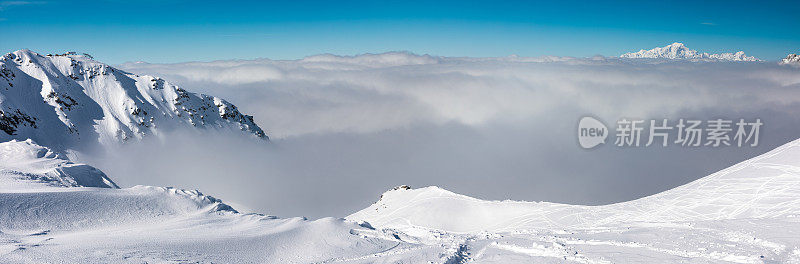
(69, 100)
(26, 166)
(677, 51)
(791, 59)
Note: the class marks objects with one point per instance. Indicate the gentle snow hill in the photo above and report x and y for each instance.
(25, 166)
(678, 51)
(47, 216)
(87, 208)
(743, 214)
(767, 186)
(40, 189)
(67, 100)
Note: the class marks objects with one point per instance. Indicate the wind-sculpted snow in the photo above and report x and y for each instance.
(47, 215)
(69, 101)
(24, 165)
(155, 224)
(88, 208)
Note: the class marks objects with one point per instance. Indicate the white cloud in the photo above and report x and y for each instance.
(372, 92)
(347, 128)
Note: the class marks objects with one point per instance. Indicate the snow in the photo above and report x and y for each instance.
(25, 166)
(57, 220)
(55, 210)
(68, 101)
(678, 51)
(744, 214)
(153, 224)
(791, 59)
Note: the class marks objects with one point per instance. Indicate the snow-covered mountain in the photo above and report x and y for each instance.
(678, 51)
(68, 100)
(791, 59)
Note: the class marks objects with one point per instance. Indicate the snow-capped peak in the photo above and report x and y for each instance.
(678, 50)
(67, 100)
(791, 59)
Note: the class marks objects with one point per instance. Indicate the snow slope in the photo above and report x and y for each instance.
(167, 225)
(25, 166)
(743, 214)
(67, 100)
(49, 216)
(677, 51)
(767, 186)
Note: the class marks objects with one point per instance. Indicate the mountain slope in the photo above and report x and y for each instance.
(25, 166)
(678, 51)
(68, 100)
(767, 186)
(747, 213)
(47, 215)
(743, 214)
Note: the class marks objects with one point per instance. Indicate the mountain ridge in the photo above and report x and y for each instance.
(679, 51)
(70, 100)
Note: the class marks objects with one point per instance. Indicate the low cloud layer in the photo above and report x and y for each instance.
(344, 129)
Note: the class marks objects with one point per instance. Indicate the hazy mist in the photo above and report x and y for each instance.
(345, 129)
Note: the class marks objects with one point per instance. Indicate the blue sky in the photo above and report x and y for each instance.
(117, 31)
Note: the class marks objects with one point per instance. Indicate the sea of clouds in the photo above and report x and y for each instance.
(346, 128)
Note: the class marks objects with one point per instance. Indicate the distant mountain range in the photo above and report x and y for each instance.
(791, 59)
(678, 51)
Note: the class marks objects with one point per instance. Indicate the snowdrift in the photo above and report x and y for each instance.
(26, 166)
